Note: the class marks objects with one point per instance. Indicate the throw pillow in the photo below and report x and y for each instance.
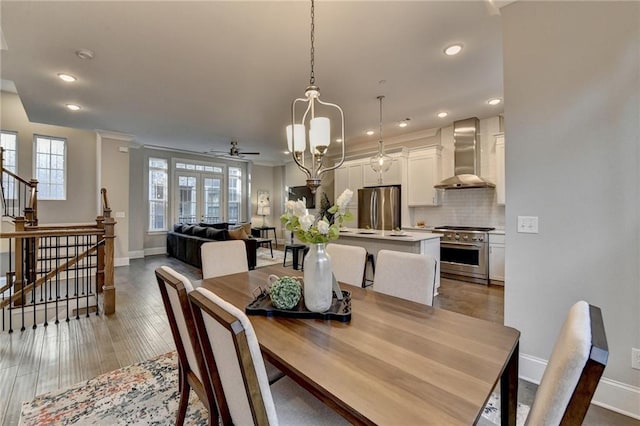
(200, 231)
(217, 234)
(238, 234)
(187, 229)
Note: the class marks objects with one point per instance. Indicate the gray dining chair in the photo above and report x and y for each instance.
(174, 288)
(406, 275)
(347, 263)
(232, 352)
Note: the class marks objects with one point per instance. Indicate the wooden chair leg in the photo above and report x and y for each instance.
(184, 400)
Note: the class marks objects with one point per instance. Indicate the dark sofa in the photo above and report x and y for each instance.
(184, 242)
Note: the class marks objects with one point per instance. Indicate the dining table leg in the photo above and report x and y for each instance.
(509, 390)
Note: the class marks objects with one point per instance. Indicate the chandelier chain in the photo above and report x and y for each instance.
(381, 98)
(312, 79)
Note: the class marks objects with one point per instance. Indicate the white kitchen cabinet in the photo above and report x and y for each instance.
(496, 258)
(349, 175)
(393, 176)
(500, 187)
(424, 171)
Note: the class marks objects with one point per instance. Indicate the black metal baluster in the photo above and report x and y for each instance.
(77, 293)
(67, 277)
(57, 279)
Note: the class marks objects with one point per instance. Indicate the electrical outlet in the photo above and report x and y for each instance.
(528, 224)
(635, 358)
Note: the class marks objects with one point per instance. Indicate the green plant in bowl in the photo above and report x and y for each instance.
(285, 293)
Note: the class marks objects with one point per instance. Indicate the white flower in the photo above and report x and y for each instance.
(299, 209)
(344, 199)
(306, 221)
(323, 227)
(289, 205)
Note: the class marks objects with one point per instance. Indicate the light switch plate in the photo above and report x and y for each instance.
(635, 358)
(120, 214)
(528, 224)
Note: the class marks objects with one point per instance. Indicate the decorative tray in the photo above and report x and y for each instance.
(340, 310)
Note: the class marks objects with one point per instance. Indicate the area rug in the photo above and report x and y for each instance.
(146, 394)
(140, 394)
(263, 257)
(491, 413)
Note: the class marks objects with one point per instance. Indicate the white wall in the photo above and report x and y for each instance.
(572, 117)
(80, 205)
(262, 179)
(114, 176)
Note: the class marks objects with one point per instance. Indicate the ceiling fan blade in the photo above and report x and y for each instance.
(249, 153)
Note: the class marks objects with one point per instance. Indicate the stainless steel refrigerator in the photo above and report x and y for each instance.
(379, 207)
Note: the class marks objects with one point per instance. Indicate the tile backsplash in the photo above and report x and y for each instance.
(463, 207)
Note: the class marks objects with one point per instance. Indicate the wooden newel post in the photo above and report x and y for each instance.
(100, 271)
(109, 289)
(19, 265)
(34, 202)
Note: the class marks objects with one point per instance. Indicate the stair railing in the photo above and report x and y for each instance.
(19, 196)
(51, 268)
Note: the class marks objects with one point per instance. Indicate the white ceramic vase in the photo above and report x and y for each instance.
(318, 279)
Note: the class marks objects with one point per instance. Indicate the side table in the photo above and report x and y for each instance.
(264, 232)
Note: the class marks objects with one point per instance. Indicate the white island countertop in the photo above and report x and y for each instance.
(400, 236)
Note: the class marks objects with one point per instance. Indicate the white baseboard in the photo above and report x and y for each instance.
(136, 254)
(610, 394)
(155, 250)
(121, 261)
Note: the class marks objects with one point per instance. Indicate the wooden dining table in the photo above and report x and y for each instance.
(395, 362)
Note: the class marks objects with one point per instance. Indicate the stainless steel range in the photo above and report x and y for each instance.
(464, 253)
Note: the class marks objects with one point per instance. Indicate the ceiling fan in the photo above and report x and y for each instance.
(234, 152)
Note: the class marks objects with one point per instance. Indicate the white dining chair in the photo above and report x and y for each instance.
(174, 289)
(347, 263)
(406, 275)
(223, 258)
(578, 359)
(236, 369)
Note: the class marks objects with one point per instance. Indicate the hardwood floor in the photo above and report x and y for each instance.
(48, 358)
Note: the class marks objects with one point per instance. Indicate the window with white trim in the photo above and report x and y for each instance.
(158, 197)
(50, 167)
(235, 194)
(9, 142)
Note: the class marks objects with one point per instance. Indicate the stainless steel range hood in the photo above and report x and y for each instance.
(466, 157)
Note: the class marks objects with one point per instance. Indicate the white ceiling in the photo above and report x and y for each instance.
(194, 75)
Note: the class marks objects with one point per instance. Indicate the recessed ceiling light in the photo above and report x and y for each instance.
(84, 54)
(370, 132)
(74, 107)
(66, 77)
(403, 124)
(286, 152)
(442, 114)
(494, 101)
(338, 140)
(454, 49)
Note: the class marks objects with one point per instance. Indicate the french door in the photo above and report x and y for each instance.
(200, 197)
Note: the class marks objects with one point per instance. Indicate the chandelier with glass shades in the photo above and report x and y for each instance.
(314, 124)
(381, 162)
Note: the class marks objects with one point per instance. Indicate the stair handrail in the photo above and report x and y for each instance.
(30, 210)
(19, 294)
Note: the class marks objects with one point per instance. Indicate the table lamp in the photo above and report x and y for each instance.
(264, 209)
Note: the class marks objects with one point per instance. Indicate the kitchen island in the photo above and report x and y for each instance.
(409, 242)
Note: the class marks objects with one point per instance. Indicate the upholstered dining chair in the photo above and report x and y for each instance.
(223, 258)
(348, 263)
(576, 364)
(237, 371)
(406, 275)
(174, 288)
